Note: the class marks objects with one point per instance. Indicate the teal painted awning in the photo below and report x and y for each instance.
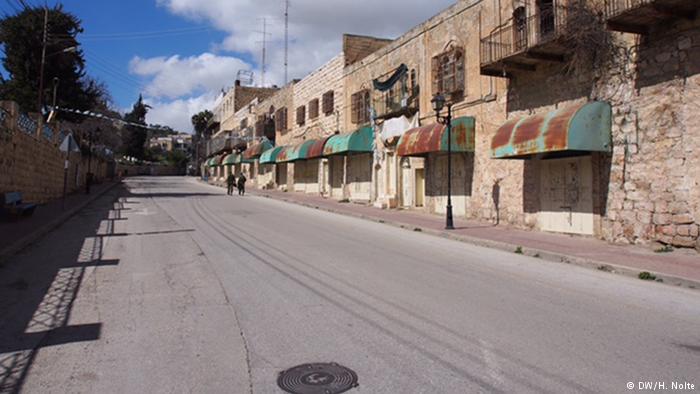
(270, 155)
(567, 131)
(230, 159)
(432, 138)
(359, 141)
(296, 152)
(215, 161)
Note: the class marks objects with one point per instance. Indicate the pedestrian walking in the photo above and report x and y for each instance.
(241, 184)
(230, 182)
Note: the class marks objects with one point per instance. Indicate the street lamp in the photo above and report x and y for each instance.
(439, 103)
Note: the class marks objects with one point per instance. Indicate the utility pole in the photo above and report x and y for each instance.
(40, 103)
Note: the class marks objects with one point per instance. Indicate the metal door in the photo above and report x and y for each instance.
(567, 196)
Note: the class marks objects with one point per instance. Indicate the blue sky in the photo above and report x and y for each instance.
(180, 53)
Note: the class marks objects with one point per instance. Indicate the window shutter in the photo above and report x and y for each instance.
(435, 74)
(285, 119)
(459, 70)
(313, 109)
(328, 103)
(301, 115)
(354, 104)
(365, 107)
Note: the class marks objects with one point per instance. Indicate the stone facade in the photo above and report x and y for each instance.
(328, 77)
(647, 188)
(234, 100)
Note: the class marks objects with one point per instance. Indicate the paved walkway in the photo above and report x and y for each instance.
(680, 267)
(14, 236)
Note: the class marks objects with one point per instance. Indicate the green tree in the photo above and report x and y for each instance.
(135, 144)
(22, 37)
(200, 121)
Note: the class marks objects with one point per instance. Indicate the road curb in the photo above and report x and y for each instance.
(22, 243)
(544, 255)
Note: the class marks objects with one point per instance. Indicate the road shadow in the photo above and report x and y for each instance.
(38, 287)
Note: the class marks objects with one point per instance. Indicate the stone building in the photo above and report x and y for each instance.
(305, 115)
(237, 97)
(316, 116)
(632, 178)
(273, 119)
(561, 135)
(571, 116)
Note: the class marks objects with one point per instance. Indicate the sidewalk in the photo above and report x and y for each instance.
(681, 267)
(15, 236)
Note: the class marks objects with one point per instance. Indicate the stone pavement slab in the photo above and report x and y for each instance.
(680, 267)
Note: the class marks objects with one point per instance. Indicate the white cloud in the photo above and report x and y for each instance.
(175, 77)
(178, 113)
(315, 27)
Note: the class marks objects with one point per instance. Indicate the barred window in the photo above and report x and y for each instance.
(359, 107)
(448, 73)
(328, 103)
(313, 109)
(301, 115)
(281, 120)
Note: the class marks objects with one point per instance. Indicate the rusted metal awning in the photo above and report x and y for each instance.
(296, 152)
(257, 150)
(568, 131)
(433, 138)
(316, 150)
(270, 155)
(359, 141)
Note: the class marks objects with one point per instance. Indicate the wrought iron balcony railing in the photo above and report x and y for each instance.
(524, 35)
(616, 7)
(396, 103)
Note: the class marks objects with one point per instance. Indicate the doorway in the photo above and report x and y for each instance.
(566, 204)
(420, 187)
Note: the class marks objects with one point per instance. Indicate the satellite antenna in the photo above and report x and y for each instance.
(263, 65)
(286, 41)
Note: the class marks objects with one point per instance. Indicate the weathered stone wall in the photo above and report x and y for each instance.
(282, 98)
(33, 164)
(648, 189)
(357, 47)
(326, 78)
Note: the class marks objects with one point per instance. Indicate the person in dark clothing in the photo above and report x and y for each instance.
(230, 182)
(241, 184)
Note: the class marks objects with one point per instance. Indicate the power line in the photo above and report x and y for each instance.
(143, 34)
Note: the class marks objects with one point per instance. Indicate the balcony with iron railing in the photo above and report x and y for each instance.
(225, 143)
(405, 102)
(399, 99)
(525, 42)
(637, 16)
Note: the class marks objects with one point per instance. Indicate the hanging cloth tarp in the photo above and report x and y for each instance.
(389, 83)
(396, 127)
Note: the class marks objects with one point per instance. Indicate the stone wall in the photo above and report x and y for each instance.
(33, 164)
(328, 77)
(282, 98)
(357, 47)
(649, 188)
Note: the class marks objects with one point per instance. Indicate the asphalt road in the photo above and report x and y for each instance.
(197, 291)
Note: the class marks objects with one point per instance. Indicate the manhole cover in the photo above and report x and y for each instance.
(319, 378)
